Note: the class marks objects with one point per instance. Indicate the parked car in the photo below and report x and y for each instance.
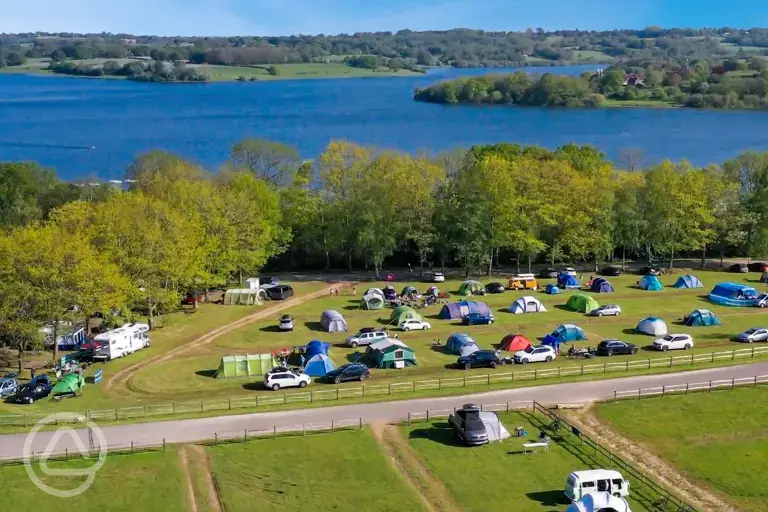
(267, 282)
(569, 271)
(285, 323)
(610, 271)
(650, 271)
(414, 325)
(280, 292)
(757, 266)
(535, 355)
(738, 268)
(36, 389)
(754, 334)
(673, 342)
(480, 359)
(435, 277)
(607, 310)
(477, 319)
(615, 347)
(762, 300)
(347, 372)
(365, 337)
(468, 426)
(279, 378)
(548, 273)
(8, 386)
(494, 288)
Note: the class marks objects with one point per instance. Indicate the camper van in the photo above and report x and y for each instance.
(581, 483)
(523, 282)
(121, 342)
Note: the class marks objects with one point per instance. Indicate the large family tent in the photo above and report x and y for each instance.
(514, 342)
(245, 366)
(372, 301)
(391, 353)
(567, 281)
(601, 285)
(316, 347)
(318, 365)
(650, 283)
(457, 310)
(461, 344)
(332, 321)
(470, 287)
(700, 318)
(244, 297)
(581, 303)
(526, 305)
(733, 294)
(552, 289)
(652, 325)
(688, 281)
(72, 383)
(402, 313)
(409, 291)
(568, 332)
(374, 290)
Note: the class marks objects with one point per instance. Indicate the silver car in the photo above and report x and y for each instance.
(754, 334)
(8, 386)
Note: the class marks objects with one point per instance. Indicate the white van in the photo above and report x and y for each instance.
(121, 342)
(581, 483)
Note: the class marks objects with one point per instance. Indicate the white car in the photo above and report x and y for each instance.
(414, 325)
(762, 300)
(435, 277)
(673, 342)
(607, 310)
(285, 378)
(542, 354)
(754, 334)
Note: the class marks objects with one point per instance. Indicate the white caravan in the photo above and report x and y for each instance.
(121, 342)
(593, 481)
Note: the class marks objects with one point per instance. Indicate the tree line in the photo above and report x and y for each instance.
(140, 71)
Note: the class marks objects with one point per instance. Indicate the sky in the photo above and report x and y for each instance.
(285, 17)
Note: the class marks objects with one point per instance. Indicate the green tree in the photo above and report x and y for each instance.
(15, 59)
(272, 161)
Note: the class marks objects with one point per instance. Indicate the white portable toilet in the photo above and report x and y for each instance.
(252, 283)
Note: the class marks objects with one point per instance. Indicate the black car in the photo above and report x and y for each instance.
(494, 288)
(738, 268)
(347, 372)
(611, 271)
(548, 273)
(480, 359)
(269, 281)
(280, 292)
(616, 347)
(36, 389)
(757, 266)
(650, 271)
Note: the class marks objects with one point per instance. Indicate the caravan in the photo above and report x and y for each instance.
(581, 483)
(121, 342)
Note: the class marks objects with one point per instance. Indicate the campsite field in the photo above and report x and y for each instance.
(499, 477)
(719, 439)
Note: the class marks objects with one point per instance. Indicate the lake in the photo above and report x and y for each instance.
(54, 120)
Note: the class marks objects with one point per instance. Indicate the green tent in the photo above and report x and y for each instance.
(402, 313)
(372, 301)
(245, 366)
(582, 303)
(72, 383)
(391, 353)
(470, 287)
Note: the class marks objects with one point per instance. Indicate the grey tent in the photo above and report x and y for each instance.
(332, 321)
(372, 301)
(493, 427)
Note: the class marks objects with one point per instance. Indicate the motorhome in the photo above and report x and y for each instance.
(121, 342)
(581, 483)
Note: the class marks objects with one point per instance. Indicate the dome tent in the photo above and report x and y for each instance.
(332, 321)
(700, 318)
(401, 314)
(432, 291)
(526, 305)
(650, 283)
(515, 342)
(567, 281)
(369, 291)
(318, 365)
(372, 301)
(409, 291)
(457, 310)
(461, 343)
(315, 347)
(552, 289)
(688, 281)
(601, 285)
(470, 287)
(569, 332)
(581, 303)
(652, 325)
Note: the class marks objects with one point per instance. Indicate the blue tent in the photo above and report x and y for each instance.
(457, 341)
(732, 294)
(552, 289)
(688, 281)
(568, 332)
(457, 310)
(318, 366)
(567, 281)
(701, 317)
(650, 283)
(601, 285)
(652, 325)
(317, 347)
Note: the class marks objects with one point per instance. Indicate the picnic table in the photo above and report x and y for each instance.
(534, 447)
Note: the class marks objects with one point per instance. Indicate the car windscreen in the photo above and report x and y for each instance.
(528, 349)
(475, 424)
(750, 331)
(668, 338)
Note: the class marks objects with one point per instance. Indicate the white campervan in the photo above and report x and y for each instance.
(581, 483)
(122, 341)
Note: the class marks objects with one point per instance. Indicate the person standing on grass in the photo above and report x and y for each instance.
(302, 360)
(32, 373)
(354, 289)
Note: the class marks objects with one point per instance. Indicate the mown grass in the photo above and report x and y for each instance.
(294, 71)
(499, 477)
(611, 103)
(150, 482)
(345, 471)
(719, 439)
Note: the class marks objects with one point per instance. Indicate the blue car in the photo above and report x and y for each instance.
(477, 319)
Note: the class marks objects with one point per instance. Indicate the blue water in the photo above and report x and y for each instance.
(51, 119)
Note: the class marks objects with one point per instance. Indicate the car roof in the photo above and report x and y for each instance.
(596, 474)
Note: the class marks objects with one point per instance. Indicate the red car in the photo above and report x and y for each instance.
(390, 278)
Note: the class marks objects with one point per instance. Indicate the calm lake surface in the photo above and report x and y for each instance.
(51, 119)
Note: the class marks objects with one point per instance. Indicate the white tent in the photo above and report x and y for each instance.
(493, 427)
(652, 325)
(243, 297)
(526, 305)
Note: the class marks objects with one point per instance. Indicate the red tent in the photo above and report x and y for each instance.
(515, 342)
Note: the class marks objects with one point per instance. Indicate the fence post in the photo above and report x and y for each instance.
(245, 436)
(66, 454)
(257, 400)
(201, 406)
(604, 367)
(614, 396)
(163, 444)
(755, 383)
(710, 386)
(713, 357)
(535, 374)
(409, 419)
(414, 386)
(439, 383)
(332, 425)
(733, 355)
(626, 369)
(508, 402)
(582, 369)
(489, 379)
(753, 352)
(25, 414)
(145, 411)
(304, 429)
(733, 383)
(116, 417)
(663, 390)
(173, 408)
(274, 432)
(215, 439)
(686, 387)
(131, 446)
(363, 390)
(670, 361)
(311, 397)
(649, 363)
(230, 404)
(361, 423)
(390, 389)
(427, 414)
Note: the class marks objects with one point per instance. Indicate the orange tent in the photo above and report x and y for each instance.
(515, 342)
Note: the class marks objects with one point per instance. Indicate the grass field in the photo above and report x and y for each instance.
(719, 439)
(293, 71)
(639, 103)
(344, 471)
(498, 476)
(150, 482)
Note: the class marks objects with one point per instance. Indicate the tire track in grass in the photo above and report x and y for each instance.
(204, 466)
(184, 464)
